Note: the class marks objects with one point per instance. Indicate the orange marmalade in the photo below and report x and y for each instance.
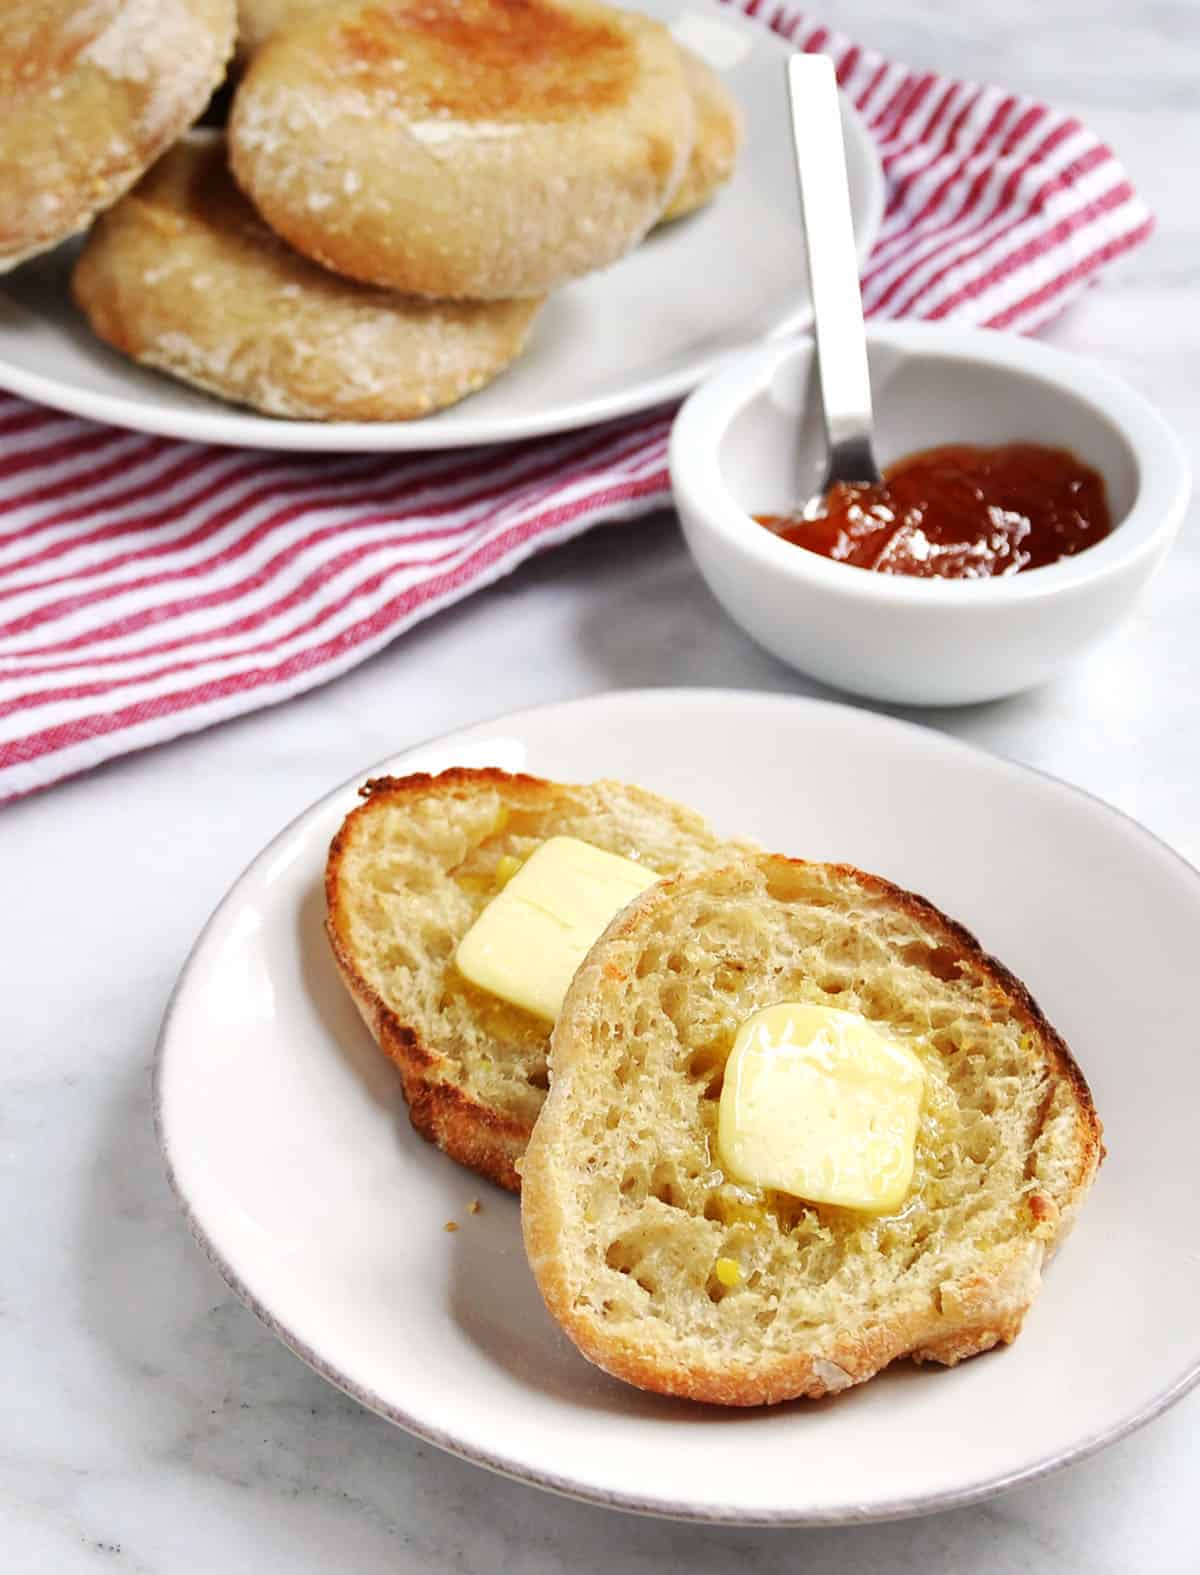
(959, 512)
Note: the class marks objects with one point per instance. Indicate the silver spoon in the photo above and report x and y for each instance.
(843, 377)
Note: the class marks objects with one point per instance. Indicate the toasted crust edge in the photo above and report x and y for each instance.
(463, 1129)
(468, 1132)
(992, 1305)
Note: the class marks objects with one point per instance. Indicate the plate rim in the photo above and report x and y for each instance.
(644, 1504)
(234, 426)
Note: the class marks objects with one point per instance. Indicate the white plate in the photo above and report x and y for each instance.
(287, 1141)
(643, 332)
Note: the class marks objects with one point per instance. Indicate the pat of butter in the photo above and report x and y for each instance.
(527, 943)
(818, 1103)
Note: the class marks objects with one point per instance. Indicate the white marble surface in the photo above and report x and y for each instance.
(148, 1423)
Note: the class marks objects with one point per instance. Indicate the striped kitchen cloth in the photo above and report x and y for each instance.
(149, 587)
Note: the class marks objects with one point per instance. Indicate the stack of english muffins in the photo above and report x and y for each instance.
(400, 185)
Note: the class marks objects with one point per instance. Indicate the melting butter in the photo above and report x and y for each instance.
(821, 1104)
(527, 943)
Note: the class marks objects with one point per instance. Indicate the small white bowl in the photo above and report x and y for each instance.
(749, 441)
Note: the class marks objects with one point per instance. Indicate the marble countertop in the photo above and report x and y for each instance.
(149, 1423)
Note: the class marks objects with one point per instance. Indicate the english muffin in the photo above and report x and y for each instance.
(719, 134)
(409, 873)
(184, 276)
(90, 95)
(670, 1269)
(476, 149)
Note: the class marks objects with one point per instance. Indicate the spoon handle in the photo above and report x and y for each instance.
(841, 343)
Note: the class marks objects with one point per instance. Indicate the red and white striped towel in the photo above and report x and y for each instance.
(149, 587)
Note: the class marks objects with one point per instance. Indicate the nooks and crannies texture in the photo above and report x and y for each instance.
(410, 871)
(626, 1209)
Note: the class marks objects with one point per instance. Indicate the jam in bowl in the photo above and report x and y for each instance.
(961, 511)
(1062, 491)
